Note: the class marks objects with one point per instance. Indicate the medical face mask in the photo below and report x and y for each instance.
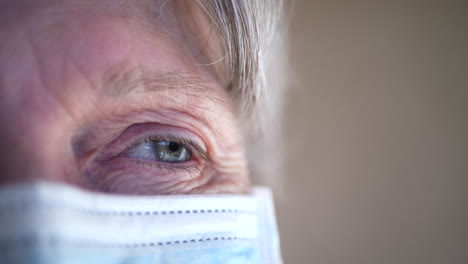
(52, 223)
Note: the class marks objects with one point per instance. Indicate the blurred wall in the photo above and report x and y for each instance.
(377, 134)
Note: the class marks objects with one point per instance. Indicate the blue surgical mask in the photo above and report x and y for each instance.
(53, 223)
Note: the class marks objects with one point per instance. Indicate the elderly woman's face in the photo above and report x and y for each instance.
(115, 98)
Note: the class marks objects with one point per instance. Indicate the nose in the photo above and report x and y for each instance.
(35, 128)
(35, 138)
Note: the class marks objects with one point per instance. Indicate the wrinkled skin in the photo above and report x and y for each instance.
(83, 82)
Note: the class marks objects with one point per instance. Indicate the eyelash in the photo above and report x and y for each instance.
(188, 143)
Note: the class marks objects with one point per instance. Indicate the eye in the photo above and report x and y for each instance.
(160, 150)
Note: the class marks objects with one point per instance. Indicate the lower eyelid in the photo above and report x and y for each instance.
(127, 174)
(145, 183)
(165, 167)
(161, 167)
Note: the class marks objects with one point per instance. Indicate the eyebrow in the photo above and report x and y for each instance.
(118, 83)
(121, 82)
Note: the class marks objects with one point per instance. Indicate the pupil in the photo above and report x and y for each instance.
(173, 146)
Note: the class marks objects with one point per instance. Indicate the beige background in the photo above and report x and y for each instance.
(377, 134)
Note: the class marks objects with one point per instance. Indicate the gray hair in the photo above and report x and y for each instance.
(252, 34)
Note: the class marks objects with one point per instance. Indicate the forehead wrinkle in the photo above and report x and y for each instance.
(142, 13)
